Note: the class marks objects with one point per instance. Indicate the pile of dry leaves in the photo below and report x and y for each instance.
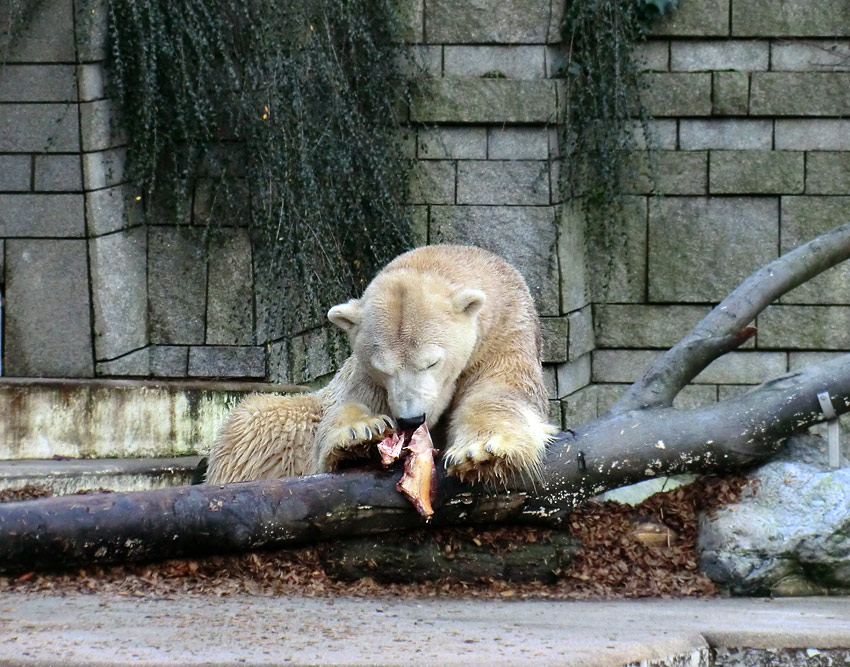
(648, 550)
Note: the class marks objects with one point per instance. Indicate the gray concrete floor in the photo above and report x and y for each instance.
(39, 629)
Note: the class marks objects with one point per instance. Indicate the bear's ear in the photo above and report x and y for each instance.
(346, 315)
(469, 301)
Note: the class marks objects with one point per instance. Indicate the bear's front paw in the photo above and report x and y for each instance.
(353, 436)
(498, 453)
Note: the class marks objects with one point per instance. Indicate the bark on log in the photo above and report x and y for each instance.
(641, 437)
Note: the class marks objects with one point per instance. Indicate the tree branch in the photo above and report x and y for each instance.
(608, 452)
(723, 329)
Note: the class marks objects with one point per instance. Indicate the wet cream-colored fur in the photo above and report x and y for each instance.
(448, 332)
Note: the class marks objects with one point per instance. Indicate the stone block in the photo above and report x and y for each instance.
(112, 209)
(618, 269)
(169, 361)
(520, 143)
(490, 22)
(42, 215)
(658, 134)
(668, 172)
(279, 362)
(38, 83)
(725, 54)
(61, 173)
(555, 334)
(695, 396)
(702, 248)
(726, 392)
(828, 173)
(800, 94)
(754, 172)
(550, 381)
(420, 61)
(47, 312)
(15, 173)
(485, 101)
(99, 126)
(580, 407)
(553, 414)
(432, 182)
(104, 169)
(726, 134)
(452, 143)
(573, 375)
(91, 28)
(119, 292)
(230, 290)
(696, 18)
(419, 225)
(607, 395)
(744, 368)
(582, 339)
(48, 35)
(652, 56)
(227, 361)
(177, 281)
(92, 81)
(500, 62)
(621, 365)
(804, 218)
(731, 93)
(572, 257)
(317, 353)
(815, 134)
(502, 183)
(800, 360)
(526, 236)
(644, 326)
(677, 93)
(805, 327)
(790, 18)
(810, 56)
(134, 364)
(39, 128)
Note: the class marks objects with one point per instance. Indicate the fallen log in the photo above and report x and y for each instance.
(643, 436)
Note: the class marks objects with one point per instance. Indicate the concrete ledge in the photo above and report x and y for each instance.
(69, 476)
(42, 418)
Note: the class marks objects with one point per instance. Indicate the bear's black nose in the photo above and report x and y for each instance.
(411, 423)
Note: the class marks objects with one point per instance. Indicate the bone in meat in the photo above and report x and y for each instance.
(390, 449)
(419, 481)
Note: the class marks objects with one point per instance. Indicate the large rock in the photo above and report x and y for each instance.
(790, 532)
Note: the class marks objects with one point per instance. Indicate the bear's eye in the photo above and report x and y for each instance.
(432, 365)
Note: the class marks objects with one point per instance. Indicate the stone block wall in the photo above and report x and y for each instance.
(486, 113)
(750, 100)
(90, 290)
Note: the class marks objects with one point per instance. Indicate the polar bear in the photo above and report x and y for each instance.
(443, 334)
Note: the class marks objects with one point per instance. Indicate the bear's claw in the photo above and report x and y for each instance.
(354, 440)
(497, 457)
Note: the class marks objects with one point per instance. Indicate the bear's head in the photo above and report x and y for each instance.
(414, 334)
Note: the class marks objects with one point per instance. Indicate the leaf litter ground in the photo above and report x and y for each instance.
(626, 552)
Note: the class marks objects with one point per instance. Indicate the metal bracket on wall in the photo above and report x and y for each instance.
(832, 429)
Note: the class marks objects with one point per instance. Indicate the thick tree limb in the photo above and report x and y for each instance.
(624, 446)
(603, 454)
(723, 329)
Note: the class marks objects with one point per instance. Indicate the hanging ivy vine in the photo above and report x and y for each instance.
(282, 116)
(604, 111)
